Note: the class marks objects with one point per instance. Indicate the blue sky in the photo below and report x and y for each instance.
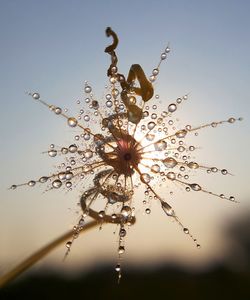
(53, 46)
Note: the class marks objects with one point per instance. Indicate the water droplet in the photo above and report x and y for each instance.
(58, 110)
(122, 232)
(68, 175)
(145, 178)
(181, 148)
(214, 169)
(109, 103)
(170, 162)
(52, 153)
(155, 72)
(195, 186)
(148, 211)
(163, 56)
(155, 168)
(72, 148)
(121, 250)
(101, 214)
(31, 183)
(150, 137)
(13, 187)
(72, 122)
(232, 198)
(118, 268)
(167, 209)
(224, 172)
(181, 133)
(167, 50)
(68, 184)
(68, 244)
(151, 125)
(172, 107)
(152, 78)
(160, 145)
(86, 118)
(126, 211)
(231, 120)
(57, 184)
(185, 230)
(171, 175)
(87, 89)
(193, 165)
(43, 179)
(36, 96)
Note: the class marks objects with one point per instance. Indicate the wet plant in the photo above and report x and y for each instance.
(135, 147)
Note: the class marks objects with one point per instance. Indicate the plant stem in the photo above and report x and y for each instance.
(31, 260)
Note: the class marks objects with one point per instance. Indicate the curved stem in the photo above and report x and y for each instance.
(31, 260)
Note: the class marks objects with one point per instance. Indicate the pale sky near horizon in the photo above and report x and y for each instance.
(52, 47)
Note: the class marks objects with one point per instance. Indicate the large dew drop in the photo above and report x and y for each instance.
(172, 107)
(170, 162)
(167, 209)
(72, 122)
(57, 184)
(145, 178)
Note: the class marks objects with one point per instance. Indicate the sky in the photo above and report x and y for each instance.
(52, 47)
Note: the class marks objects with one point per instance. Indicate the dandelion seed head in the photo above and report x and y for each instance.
(134, 146)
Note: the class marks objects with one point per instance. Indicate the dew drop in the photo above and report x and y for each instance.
(58, 110)
(231, 120)
(121, 250)
(72, 122)
(68, 184)
(155, 72)
(52, 153)
(101, 214)
(43, 179)
(167, 209)
(36, 96)
(160, 145)
(122, 232)
(171, 175)
(170, 162)
(163, 56)
(185, 230)
(145, 178)
(195, 186)
(167, 50)
(126, 211)
(109, 103)
(147, 211)
(86, 118)
(13, 187)
(155, 168)
(118, 268)
(150, 137)
(224, 172)
(193, 165)
(181, 133)
(172, 107)
(57, 184)
(87, 89)
(73, 148)
(151, 125)
(31, 183)
(68, 244)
